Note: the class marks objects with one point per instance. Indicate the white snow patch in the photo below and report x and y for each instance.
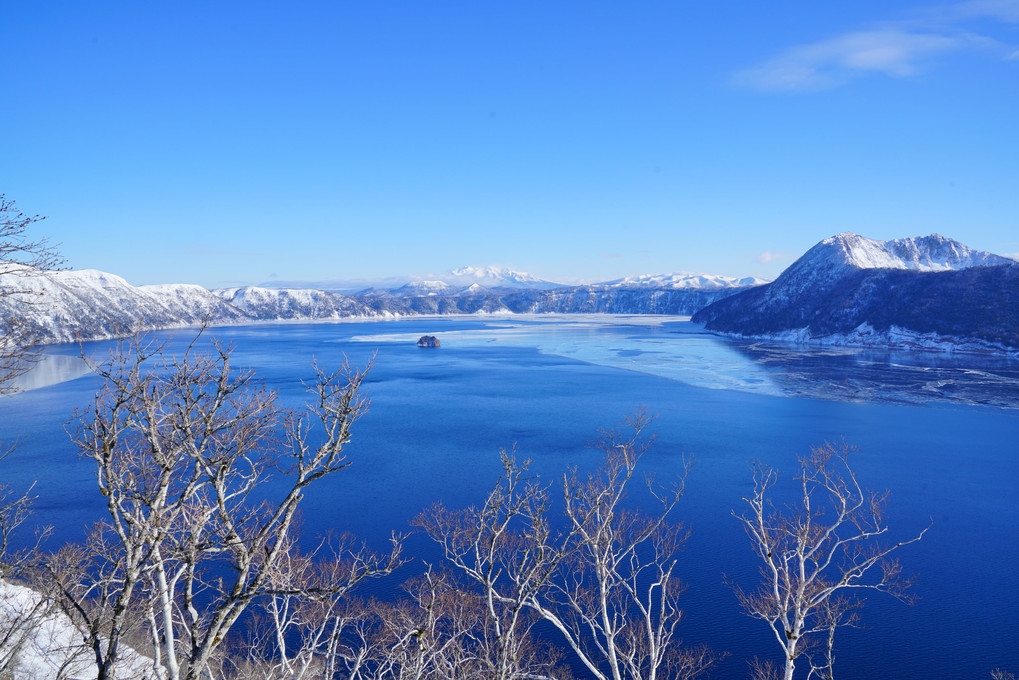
(42, 644)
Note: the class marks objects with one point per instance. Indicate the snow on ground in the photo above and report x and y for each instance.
(38, 642)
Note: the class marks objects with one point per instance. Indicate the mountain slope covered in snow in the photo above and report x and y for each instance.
(67, 306)
(926, 291)
(683, 280)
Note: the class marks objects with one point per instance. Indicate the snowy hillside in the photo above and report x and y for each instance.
(67, 305)
(908, 292)
(263, 304)
(923, 253)
(41, 643)
(683, 280)
(838, 256)
(254, 303)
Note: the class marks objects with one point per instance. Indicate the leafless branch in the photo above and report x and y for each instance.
(815, 553)
(183, 445)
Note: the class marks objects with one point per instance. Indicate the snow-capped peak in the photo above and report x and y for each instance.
(426, 288)
(838, 256)
(493, 272)
(494, 277)
(921, 253)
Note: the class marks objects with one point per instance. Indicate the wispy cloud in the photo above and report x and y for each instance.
(768, 256)
(897, 49)
(1002, 10)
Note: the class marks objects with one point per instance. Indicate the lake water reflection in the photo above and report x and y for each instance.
(939, 432)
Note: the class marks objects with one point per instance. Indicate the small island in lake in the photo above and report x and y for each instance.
(428, 341)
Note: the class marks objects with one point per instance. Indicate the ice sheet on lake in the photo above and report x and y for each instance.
(674, 348)
(668, 347)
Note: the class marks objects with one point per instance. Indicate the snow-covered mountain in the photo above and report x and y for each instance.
(835, 257)
(458, 281)
(496, 278)
(924, 291)
(846, 289)
(256, 304)
(683, 280)
(924, 253)
(263, 304)
(65, 306)
(491, 280)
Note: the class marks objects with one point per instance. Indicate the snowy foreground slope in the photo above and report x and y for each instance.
(925, 292)
(40, 643)
(89, 305)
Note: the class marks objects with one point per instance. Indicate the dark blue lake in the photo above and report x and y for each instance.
(940, 432)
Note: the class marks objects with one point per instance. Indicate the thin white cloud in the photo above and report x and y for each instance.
(1002, 10)
(832, 62)
(768, 256)
(895, 50)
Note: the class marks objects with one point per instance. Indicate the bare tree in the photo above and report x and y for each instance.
(183, 448)
(309, 625)
(15, 509)
(21, 255)
(819, 555)
(606, 581)
(509, 550)
(438, 631)
(20, 616)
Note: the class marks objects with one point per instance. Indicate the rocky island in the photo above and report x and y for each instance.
(428, 341)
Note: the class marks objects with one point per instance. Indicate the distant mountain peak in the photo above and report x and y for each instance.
(491, 270)
(495, 277)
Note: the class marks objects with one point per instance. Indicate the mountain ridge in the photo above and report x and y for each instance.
(850, 290)
(926, 291)
(68, 306)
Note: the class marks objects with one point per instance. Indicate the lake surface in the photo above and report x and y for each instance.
(940, 432)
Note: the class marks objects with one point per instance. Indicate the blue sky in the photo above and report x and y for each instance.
(226, 143)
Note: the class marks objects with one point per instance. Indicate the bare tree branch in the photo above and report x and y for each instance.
(817, 557)
(21, 256)
(183, 446)
(606, 581)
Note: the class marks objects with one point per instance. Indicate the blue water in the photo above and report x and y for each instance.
(939, 432)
